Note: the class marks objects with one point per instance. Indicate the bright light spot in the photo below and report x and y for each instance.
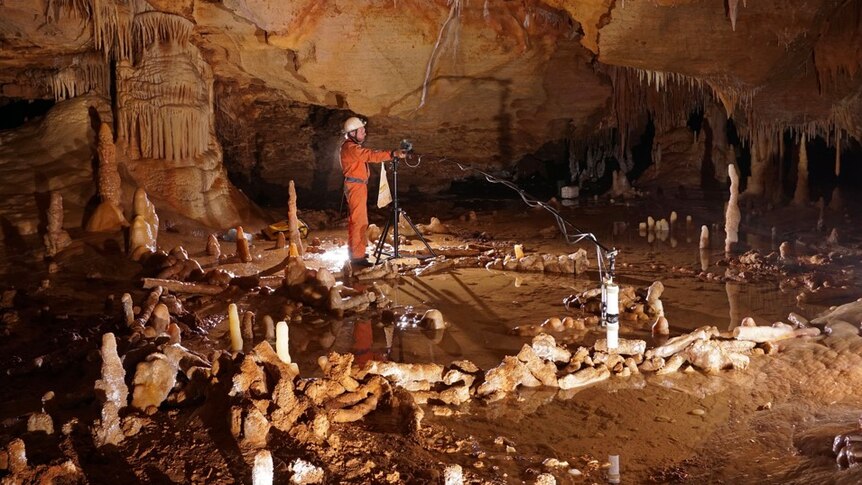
(335, 257)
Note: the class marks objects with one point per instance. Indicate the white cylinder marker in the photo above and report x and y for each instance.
(612, 292)
(614, 470)
(233, 324)
(282, 346)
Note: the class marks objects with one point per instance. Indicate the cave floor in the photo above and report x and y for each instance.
(771, 423)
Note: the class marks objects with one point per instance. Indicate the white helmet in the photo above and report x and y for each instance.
(351, 124)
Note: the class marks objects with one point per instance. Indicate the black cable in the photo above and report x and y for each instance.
(565, 226)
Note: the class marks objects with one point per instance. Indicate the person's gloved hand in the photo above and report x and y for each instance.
(398, 153)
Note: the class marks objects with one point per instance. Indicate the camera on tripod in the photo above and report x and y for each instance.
(407, 145)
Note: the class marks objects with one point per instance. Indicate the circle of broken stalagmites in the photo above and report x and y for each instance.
(258, 392)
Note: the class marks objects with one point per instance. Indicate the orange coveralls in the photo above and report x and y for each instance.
(354, 160)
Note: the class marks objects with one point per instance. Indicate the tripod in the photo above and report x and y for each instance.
(392, 223)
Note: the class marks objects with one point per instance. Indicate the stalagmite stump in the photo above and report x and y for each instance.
(671, 365)
(154, 379)
(625, 347)
(506, 377)
(544, 371)
(763, 334)
(661, 326)
(677, 344)
(545, 346)
(584, 377)
(713, 357)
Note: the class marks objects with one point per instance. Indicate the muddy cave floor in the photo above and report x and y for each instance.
(771, 423)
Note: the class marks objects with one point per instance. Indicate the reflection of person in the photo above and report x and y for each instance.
(363, 339)
(354, 163)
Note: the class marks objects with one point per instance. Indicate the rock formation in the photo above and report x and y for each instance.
(108, 216)
(56, 238)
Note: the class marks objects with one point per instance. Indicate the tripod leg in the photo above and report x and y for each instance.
(378, 249)
(421, 237)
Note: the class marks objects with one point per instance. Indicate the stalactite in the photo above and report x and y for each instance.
(732, 10)
(668, 98)
(88, 72)
(800, 195)
(151, 27)
(838, 50)
(838, 155)
(454, 14)
(59, 9)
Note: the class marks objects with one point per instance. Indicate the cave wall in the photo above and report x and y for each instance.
(258, 88)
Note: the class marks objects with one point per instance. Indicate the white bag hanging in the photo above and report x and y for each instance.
(384, 196)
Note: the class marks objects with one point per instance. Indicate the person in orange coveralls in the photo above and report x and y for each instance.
(363, 340)
(354, 162)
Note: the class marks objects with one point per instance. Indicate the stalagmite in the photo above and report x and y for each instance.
(113, 395)
(282, 346)
(836, 203)
(56, 239)
(268, 329)
(141, 239)
(704, 259)
(161, 318)
(108, 216)
(280, 241)
(213, 246)
(175, 334)
(704, 237)
(293, 220)
(144, 233)
(262, 473)
(732, 291)
(655, 307)
(242, 250)
(800, 195)
(760, 154)
(785, 251)
(149, 305)
(732, 216)
(248, 326)
(233, 325)
(128, 312)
